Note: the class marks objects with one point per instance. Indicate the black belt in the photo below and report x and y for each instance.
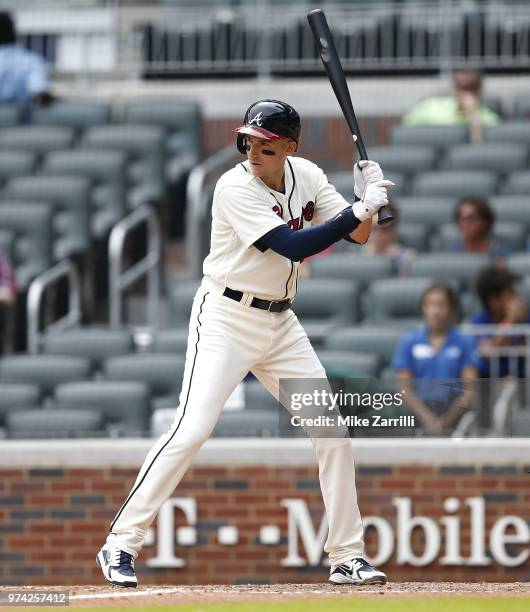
(257, 302)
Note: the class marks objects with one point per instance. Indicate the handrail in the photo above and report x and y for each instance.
(37, 288)
(196, 206)
(149, 266)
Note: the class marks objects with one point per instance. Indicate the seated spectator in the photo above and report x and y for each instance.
(502, 305)
(463, 106)
(383, 241)
(7, 303)
(23, 73)
(432, 362)
(475, 219)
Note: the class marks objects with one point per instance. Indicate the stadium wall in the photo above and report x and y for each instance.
(251, 511)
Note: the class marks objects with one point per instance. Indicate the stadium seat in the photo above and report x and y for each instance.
(518, 183)
(181, 296)
(352, 267)
(429, 211)
(405, 159)
(496, 157)
(371, 339)
(510, 131)
(429, 135)
(124, 405)
(247, 424)
(16, 163)
(68, 196)
(170, 341)
(36, 139)
(394, 298)
(512, 208)
(463, 269)
(52, 423)
(106, 171)
(507, 232)
(46, 371)
(96, 344)
(74, 114)
(9, 115)
(349, 363)
(413, 235)
(455, 183)
(521, 107)
(519, 263)
(161, 372)
(523, 288)
(323, 304)
(183, 124)
(343, 183)
(16, 395)
(144, 146)
(7, 244)
(31, 228)
(257, 397)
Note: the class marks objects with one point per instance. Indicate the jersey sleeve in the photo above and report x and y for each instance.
(250, 217)
(328, 201)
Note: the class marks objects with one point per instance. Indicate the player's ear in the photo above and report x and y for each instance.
(291, 147)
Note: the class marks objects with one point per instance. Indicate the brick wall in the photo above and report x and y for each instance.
(53, 520)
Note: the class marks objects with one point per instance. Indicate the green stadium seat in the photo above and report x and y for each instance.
(497, 157)
(413, 235)
(170, 341)
(181, 296)
(9, 115)
(36, 139)
(247, 424)
(74, 114)
(519, 263)
(124, 405)
(106, 171)
(182, 122)
(16, 395)
(518, 183)
(343, 183)
(144, 146)
(455, 183)
(512, 208)
(429, 135)
(376, 340)
(394, 298)
(46, 371)
(352, 267)
(95, 344)
(31, 227)
(69, 198)
(16, 163)
(349, 363)
(52, 423)
(161, 372)
(510, 131)
(429, 211)
(406, 159)
(455, 267)
(507, 232)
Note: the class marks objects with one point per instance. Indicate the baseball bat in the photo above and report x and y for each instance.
(330, 59)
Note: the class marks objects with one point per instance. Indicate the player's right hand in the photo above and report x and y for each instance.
(375, 196)
(365, 172)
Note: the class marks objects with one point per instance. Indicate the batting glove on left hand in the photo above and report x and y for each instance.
(364, 173)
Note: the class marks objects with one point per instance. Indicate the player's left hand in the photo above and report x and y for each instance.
(364, 173)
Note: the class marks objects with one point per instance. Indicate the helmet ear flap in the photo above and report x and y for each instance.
(240, 142)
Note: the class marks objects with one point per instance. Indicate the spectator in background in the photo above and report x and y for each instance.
(437, 364)
(502, 305)
(383, 241)
(8, 295)
(475, 219)
(23, 73)
(463, 106)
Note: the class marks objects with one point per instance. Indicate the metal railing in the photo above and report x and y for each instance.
(149, 266)
(36, 292)
(198, 200)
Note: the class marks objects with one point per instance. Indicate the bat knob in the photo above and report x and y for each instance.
(384, 216)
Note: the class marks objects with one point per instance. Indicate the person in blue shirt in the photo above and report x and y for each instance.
(437, 365)
(23, 73)
(502, 305)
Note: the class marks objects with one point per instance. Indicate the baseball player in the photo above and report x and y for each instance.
(269, 212)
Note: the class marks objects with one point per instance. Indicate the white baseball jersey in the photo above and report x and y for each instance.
(245, 208)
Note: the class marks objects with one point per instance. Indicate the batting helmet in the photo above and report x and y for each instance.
(271, 120)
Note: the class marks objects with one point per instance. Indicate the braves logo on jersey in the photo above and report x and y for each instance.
(295, 224)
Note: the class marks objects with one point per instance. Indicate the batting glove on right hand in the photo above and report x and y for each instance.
(364, 173)
(375, 196)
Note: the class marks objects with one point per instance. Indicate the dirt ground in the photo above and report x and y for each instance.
(96, 596)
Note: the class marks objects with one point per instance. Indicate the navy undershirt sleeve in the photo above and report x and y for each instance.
(296, 245)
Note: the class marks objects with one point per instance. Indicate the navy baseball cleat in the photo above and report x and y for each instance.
(117, 566)
(356, 571)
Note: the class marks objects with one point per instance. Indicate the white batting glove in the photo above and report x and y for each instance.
(375, 196)
(364, 173)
